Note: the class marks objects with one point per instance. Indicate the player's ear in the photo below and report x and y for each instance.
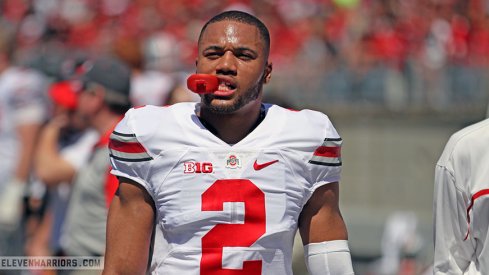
(268, 73)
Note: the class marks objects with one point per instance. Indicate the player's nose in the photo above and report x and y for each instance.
(227, 64)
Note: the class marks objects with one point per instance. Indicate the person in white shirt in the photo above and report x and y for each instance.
(461, 203)
(23, 110)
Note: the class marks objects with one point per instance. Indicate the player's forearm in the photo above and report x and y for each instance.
(37, 241)
(27, 135)
(51, 168)
(49, 164)
(47, 148)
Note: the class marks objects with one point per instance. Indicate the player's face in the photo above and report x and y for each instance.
(235, 53)
(89, 103)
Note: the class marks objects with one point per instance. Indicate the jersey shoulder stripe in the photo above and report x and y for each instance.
(125, 147)
(329, 153)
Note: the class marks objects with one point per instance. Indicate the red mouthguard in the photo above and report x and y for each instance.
(203, 83)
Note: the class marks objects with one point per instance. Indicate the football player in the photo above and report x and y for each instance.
(461, 200)
(226, 183)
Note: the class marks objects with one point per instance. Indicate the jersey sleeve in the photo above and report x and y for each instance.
(129, 158)
(324, 160)
(453, 250)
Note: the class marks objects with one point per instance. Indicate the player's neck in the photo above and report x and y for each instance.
(232, 128)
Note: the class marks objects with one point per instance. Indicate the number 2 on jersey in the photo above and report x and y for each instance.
(232, 235)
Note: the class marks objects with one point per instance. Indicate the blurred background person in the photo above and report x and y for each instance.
(64, 147)
(156, 76)
(22, 113)
(461, 213)
(148, 85)
(103, 101)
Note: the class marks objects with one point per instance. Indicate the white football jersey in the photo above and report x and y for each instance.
(225, 209)
(461, 203)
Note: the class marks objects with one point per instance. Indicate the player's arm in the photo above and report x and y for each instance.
(11, 199)
(27, 135)
(28, 116)
(50, 166)
(39, 243)
(129, 228)
(453, 247)
(324, 233)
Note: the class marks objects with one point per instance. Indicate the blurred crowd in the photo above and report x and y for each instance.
(394, 54)
(391, 54)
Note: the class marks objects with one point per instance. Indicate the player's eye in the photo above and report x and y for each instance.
(212, 55)
(245, 57)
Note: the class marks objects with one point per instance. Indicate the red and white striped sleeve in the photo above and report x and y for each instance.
(324, 161)
(126, 147)
(329, 153)
(129, 157)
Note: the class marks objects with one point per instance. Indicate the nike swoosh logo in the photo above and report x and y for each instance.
(257, 166)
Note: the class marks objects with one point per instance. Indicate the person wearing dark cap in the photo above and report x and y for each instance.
(102, 102)
(64, 146)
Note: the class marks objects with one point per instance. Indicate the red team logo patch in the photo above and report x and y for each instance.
(194, 167)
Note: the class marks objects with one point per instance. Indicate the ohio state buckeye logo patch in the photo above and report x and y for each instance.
(233, 162)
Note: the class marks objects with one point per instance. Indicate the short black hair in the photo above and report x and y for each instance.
(242, 17)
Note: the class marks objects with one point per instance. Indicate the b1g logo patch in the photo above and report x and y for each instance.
(194, 167)
(233, 162)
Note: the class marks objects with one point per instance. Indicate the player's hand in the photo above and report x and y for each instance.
(57, 123)
(52, 130)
